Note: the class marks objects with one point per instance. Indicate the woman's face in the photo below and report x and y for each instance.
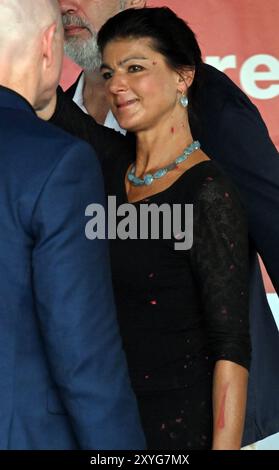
(142, 89)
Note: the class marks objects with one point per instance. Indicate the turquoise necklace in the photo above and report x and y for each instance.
(149, 178)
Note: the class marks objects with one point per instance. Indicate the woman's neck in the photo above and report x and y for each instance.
(158, 147)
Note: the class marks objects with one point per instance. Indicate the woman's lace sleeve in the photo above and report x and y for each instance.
(221, 265)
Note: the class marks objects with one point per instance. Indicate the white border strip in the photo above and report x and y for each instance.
(273, 301)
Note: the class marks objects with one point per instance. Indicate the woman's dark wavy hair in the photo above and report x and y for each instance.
(170, 35)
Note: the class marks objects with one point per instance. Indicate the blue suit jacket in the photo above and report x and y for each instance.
(63, 377)
(232, 133)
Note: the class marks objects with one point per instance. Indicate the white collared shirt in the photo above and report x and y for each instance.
(110, 121)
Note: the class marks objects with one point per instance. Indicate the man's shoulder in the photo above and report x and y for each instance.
(52, 137)
(27, 135)
(211, 75)
(218, 93)
(219, 86)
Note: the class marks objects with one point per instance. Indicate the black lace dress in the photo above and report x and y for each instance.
(180, 311)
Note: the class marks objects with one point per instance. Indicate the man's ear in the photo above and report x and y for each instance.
(48, 43)
(136, 3)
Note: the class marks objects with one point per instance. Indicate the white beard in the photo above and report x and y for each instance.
(84, 53)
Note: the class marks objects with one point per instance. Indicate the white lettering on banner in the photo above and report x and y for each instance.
(249, 76)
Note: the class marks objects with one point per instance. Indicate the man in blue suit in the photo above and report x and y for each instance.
(63, 376)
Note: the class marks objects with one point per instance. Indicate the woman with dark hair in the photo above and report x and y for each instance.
(183, 313)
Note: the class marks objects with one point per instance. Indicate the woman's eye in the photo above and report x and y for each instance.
(107, 75)
(135, 68)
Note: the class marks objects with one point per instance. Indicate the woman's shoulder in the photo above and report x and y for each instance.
(206, 173)
(214, 189)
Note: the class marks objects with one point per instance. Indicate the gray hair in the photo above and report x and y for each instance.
(84, 52)
(122, 5)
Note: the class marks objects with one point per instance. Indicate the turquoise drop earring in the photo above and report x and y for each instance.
(184, 100)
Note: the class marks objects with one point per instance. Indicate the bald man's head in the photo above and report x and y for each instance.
(31, 47)
(22, 21)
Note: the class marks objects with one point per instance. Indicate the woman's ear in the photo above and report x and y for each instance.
(135, 3)
(185, 79)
